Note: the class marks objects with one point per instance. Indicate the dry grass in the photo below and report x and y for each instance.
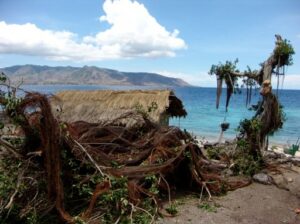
(98, 106)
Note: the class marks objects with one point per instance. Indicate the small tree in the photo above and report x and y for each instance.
(268, 117)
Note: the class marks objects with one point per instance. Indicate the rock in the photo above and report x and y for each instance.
(297, 154)
(280, 181)
(263, 178)
(278, 150)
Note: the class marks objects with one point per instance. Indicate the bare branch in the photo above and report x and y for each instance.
(10, 148)
(254, 76)
(89, 156)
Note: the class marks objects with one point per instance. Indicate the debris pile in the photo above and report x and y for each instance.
(98, 172)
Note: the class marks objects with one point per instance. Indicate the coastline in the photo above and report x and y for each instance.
(214, 138)
(274, 146)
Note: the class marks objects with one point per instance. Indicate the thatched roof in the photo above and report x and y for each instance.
(106, 105)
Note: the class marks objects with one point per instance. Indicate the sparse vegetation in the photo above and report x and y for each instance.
(208, 207)
(172, 209)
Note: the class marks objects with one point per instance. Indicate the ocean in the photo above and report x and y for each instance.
(203, 119)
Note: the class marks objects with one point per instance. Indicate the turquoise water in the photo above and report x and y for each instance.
(203, 119)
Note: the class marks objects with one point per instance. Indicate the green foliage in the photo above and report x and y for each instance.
(213, 152)
(32, 218)
(172, 209)
(207, 207)
(251, 127)
(78, 220)
(3, 77)
(152, 107)
(142, 217)
(223, 70)
(9, 169)
(282, 114)
(187, 154)
(246, 165)
(284, 51)
(9, 101)
(146, 111)
(249, 82)
(244, 161)
(115, 201)
(152, 181)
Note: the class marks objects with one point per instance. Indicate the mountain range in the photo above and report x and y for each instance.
(36, 74)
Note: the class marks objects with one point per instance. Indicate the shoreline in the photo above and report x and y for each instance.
(213, 139)
(210, 137)
(277, 147)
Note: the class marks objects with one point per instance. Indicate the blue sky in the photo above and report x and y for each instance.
(174, 38)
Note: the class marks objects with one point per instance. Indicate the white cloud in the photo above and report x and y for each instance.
(291, 81)
(133, 33)
(28, 39)
(200, 79)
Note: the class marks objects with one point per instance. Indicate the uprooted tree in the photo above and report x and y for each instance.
(85, 172)
(269, 116)
(95, 173)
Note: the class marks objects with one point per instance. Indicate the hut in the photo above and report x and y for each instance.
(102, 106)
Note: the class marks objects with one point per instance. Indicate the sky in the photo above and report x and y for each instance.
(179, 39)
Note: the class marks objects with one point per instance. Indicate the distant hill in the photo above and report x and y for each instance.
(35, 74)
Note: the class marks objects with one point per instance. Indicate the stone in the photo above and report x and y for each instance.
(297, 154)
(263, 178)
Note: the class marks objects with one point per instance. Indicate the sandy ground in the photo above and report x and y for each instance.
(255, 204)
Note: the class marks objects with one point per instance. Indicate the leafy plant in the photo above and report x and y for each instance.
(284, 52)
(207, 207)
(213, 152)
(152, 182)
(146, 112)
(223, 70)
(244, 161)
(172, 209)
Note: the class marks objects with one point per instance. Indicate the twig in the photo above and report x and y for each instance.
(118, 220)
(94, 143)
(143, 210)
(168, 186)
(9, 86)
(95, 218)
(200, 198)
(9, 204)
(131, 213)
(206, 188)
(10, 148)
(37, 189)
(156, 205)
(89, 156)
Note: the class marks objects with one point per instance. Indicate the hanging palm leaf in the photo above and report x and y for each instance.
(219, 90)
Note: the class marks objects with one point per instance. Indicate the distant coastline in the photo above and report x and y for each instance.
(87, 75)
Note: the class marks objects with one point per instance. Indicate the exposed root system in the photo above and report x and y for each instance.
(92, 170)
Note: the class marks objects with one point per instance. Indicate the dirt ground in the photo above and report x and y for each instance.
(255, 204)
